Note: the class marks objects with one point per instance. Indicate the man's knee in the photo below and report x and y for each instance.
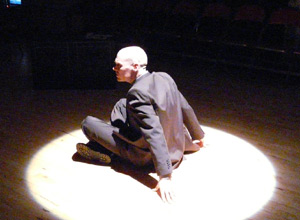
(87, 121)
(88, 124)
(118, 113)
(121, 103)
(120, 107)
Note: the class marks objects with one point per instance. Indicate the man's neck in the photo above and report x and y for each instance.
(141, 72)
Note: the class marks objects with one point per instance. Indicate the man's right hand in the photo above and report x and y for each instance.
(166, 191)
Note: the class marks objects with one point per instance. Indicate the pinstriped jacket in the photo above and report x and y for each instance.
(156, 108)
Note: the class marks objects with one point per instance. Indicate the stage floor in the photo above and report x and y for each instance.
(252, 122)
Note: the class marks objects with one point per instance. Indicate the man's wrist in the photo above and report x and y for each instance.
(167, 176)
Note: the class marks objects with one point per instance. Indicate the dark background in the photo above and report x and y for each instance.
(67, 44)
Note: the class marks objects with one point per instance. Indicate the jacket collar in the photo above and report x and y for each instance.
(142, 76)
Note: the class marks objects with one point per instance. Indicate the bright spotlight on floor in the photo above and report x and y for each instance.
(229, 179)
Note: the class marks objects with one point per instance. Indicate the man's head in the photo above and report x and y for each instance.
(129, 63)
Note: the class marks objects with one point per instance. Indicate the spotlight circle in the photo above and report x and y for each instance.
(228, 179)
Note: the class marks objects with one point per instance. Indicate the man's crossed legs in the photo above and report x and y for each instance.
(105, 139)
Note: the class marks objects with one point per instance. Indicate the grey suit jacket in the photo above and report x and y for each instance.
(157, 109)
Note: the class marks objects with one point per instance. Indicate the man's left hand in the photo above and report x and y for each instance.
(200, 142)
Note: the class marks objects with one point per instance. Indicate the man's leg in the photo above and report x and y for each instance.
(99, 131)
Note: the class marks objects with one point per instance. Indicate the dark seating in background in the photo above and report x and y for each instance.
(130, 15)
(277, 33)
(252, 35)
(246, 26)
(249, 39)
(277, 47)
(209, 31)
(182, 20)
(243, 33)
(213, 22)
(153, 24)
(155, 15)
(177, 29)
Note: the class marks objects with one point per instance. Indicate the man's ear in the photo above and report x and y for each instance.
(136, 66)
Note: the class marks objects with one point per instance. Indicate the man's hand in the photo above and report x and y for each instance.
(166, 191)
(201, 142)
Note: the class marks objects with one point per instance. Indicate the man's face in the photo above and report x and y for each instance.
(125, 71)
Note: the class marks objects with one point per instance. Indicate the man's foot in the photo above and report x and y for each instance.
(86, 152)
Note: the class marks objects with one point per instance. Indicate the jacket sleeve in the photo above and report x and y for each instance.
(142, 115)
(190, 120)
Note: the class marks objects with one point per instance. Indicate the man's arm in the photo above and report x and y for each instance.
(190, 120)
(143, 116)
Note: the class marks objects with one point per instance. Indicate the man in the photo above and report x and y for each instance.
(154, 124)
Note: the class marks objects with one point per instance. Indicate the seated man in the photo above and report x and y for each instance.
(153, 125)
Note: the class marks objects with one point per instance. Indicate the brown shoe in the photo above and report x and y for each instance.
(86, 152)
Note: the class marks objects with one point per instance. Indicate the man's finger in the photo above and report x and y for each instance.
(169, 197)
(173, 196)
(156, 188)
(163, 196)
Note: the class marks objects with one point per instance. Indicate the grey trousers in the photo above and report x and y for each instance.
(108, 135)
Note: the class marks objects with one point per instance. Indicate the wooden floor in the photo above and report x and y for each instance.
(261, 108)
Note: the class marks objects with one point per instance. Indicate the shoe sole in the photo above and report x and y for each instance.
(88, 153)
